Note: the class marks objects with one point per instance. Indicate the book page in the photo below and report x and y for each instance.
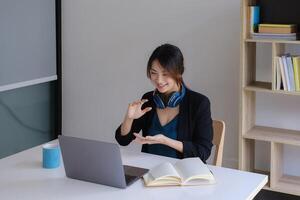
(163, 170)
(191, 169)
(166, 181)
(162, 175)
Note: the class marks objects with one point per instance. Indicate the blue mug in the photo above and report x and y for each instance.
(51, 156)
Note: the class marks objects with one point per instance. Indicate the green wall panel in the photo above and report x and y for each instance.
(27, 117)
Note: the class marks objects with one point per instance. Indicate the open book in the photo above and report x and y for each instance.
(188, 171)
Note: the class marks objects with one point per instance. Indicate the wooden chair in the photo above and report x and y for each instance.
(218, 141)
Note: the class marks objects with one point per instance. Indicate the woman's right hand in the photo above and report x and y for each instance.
(135, 111)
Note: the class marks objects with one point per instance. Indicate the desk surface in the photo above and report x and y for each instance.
(22, 177)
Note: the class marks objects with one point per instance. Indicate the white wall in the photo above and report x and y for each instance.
(106, 45)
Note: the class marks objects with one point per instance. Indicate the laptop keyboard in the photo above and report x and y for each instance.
(133, 173)
(129, 179)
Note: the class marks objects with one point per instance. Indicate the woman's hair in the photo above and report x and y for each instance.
(171, 59)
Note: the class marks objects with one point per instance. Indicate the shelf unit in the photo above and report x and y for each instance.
(249, 131)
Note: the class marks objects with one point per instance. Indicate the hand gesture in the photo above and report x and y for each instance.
(156, 139)
(135, 111)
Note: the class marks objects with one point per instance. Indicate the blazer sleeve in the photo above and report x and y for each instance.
(201, 143)
(137, 126)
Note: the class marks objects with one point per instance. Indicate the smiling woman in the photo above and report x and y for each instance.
(175, 121)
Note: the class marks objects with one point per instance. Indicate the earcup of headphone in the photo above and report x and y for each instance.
(158, 101)
(173, 99)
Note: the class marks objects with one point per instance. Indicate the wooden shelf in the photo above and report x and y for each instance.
(251, 52)
(273, 41)
(258, 86)
(267, 187)
(277, 135)
(288, 184)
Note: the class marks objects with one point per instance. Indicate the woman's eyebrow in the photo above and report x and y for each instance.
(153, 70)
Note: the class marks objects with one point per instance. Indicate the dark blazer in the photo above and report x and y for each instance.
(194, 125)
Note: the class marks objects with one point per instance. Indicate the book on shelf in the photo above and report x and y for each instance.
(279, 25)
(277, 28)
(291, 72)
(277, 36)
(254, 17)
(296, 64)
(282, 72)
(274, 77)
(277, 78)
(188, 171)
(287, 73)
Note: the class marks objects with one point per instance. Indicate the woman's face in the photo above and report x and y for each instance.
(161, 79)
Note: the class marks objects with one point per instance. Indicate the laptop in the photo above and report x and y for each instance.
(97, 162)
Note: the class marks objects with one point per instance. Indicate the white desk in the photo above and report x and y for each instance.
(22, 177)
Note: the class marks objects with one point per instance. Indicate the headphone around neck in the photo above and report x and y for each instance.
(173, 101)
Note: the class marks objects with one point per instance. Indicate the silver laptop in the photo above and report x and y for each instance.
(97, 162)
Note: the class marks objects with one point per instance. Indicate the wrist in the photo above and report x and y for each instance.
(166, 141)
(126, 126)
(128, 119)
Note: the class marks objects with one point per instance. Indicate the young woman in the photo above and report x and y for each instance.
(175, 121)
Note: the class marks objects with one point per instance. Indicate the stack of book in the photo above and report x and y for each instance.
(287, 73)
(276, 31)
(269, 31)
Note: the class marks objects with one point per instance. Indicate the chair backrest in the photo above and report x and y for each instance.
(218, 141)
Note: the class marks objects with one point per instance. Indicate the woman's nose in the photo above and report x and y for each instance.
(159, 78)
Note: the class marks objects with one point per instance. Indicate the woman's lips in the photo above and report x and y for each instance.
(161, 86)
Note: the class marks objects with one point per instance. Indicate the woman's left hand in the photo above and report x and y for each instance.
(157, 139)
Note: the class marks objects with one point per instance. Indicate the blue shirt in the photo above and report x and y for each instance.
(169, 130)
